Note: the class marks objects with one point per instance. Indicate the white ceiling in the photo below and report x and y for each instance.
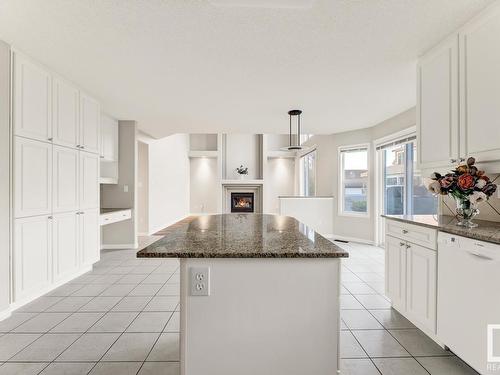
(191, 66)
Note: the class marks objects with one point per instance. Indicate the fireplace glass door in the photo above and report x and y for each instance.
(242, 202)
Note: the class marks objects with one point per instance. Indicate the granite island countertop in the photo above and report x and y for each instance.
(488, 231)
(242, 236)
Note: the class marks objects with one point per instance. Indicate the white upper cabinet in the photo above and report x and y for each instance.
(89, 180)
(458, 96)
(32, 100)
(437, 108)
(65, 179)
(89, 237)
(65, 235)
(65, 104)
(32, 177)
(90, 118)
(480, 86)
(109, 138)
(31, 256)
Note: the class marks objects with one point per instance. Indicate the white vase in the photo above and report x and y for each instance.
(242, 176)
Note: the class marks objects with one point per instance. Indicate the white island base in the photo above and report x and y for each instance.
(264, 316)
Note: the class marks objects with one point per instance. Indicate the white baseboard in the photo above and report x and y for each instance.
(350, 239)
(4, 314)
(119, 246)
(35, 295)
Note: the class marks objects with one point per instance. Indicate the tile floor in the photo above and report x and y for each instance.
(123, 318)
(376, 339)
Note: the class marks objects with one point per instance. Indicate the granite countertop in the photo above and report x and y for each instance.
(242, 236)
(109, 210)
(488, 231)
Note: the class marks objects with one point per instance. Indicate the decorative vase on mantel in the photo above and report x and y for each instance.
(468, 185)
(242, 171)
(466, 211)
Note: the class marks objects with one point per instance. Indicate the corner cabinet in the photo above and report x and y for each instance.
(411, 272)
(458, 91)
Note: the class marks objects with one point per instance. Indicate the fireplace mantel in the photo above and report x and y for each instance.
(242, 182)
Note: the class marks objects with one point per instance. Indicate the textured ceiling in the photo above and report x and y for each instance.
(190, 66)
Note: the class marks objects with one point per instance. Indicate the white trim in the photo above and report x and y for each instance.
(4, 314)
(55, 285)
(350, 239)
(119, 246)
(395, 136)
(340, 200)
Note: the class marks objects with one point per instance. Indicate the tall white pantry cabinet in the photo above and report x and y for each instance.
(56, 135)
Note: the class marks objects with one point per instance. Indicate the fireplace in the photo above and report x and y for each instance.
(242, 202)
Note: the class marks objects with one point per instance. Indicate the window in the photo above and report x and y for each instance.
(403, 189)
(308, 174)
(354, 180)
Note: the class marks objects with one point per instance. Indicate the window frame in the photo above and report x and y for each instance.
(302, 174)
(340, 201)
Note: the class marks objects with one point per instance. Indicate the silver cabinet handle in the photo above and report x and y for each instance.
(401, 244)
(50, 139)
(480, 256)
(453, 160)
(404, 231)
(461, 160)
(479, 244)
(408, 246)
(50, 217)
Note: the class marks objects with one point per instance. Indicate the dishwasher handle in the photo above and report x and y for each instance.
(480, 256)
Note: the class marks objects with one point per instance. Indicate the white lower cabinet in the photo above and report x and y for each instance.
(411, 279)
(421, 272)
(32, 256)
(395, 268)
(65, 245)
(89, 237)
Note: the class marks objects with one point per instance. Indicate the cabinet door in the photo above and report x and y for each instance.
(89, 180)
(109, 138)
(89, 237)
(65, 103)
(437, 106)
(395, 272)
(90, 117)
(31, 256)
(65, 179)
(32, 177)
(65, 260)
(32, 100)
(480, 86)
(421, 286)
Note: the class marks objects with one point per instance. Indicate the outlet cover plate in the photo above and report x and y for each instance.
(199, 281)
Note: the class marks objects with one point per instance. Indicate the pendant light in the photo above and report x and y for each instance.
(294, 117)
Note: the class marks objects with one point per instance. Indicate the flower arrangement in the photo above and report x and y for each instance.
(242, 170)
(468, 185)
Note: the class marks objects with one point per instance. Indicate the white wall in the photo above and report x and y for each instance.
(4, 177)
(205, 185)
(142, 187)
(327, 172)
(280, 179)
(168, 181)
(243, 149)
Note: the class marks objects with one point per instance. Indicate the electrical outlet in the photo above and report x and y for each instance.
(199, 279)
(125, 188)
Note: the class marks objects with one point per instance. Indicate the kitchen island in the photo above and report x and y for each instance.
(260, 294)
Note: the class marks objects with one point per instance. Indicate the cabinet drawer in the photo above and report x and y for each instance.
(114, 217)
(416, 234)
